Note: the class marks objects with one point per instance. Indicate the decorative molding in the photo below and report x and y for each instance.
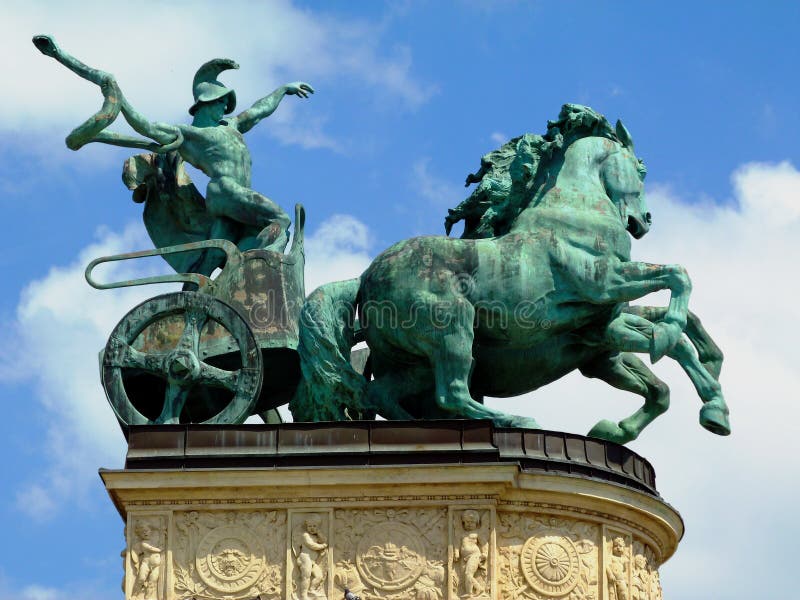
(310, 541)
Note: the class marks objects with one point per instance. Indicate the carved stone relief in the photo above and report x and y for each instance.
(227, 554)
(655, 586)
(445, 552)
(394, 554)
(645, 584)
(309, 560)
(124, 556)
(543, 557)
(618, 564)
(471, 575)
(146, 550)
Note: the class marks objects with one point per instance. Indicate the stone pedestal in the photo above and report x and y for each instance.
(412, 511)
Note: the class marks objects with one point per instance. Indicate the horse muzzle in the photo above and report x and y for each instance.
(637, 227)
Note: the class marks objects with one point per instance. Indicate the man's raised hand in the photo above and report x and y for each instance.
(46, 45)
(298, 88)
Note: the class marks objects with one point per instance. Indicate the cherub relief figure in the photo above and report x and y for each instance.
(617, 571)
(471, 555)
(310, 548)
(146, 561)
(640, 583)
(212, 143)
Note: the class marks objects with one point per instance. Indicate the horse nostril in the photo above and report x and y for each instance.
(648, 218)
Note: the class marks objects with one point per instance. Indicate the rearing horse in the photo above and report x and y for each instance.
(544, 292)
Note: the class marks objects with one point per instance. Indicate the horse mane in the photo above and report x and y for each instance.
(507, 177)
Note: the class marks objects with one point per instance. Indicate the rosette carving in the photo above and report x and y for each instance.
(542, 557)
(393, 554)
(231, 555)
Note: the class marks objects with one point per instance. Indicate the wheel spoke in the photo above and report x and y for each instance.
(174, 399)
(190, 339)
(123, 355)
(216, 377)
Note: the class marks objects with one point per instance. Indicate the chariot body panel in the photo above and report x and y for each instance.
(219, 351)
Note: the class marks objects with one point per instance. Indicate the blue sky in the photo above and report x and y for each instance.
(409, 96)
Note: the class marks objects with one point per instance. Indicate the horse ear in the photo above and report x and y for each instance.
(624, 136)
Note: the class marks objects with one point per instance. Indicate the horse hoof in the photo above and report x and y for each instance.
(714, 417)
(516, 421)
(608, 430)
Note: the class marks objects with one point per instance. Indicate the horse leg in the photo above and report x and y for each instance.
(714, 413)
(627, 281)
(449, 349)
(708, 353)
(630, 333)
(385, 393)
(627, 372)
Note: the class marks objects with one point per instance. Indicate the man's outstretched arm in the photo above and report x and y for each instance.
(167, 137)
(162, 133)
(263, 108)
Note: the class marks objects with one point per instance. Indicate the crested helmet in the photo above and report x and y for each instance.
(206, 88)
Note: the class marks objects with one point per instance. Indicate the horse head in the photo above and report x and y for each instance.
(520, 173)
(622, 175)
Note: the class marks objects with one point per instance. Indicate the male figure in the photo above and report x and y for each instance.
(617, 571)
(212, 143)
(472, 553)
(640, 582)
(309, 547)
(146, 559)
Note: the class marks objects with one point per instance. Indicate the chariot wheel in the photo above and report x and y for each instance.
(181, 371)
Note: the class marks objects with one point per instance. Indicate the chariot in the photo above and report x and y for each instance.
(215, 354)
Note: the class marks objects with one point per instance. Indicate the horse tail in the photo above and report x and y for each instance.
(329, 385)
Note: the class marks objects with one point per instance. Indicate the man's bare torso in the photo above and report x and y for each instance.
(217, 151)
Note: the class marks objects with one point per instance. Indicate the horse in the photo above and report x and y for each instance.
(543, 291)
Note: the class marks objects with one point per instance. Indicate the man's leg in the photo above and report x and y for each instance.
(226, 198)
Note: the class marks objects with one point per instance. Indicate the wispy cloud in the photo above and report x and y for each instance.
(84, 591)
(435, 189)
(499, 138)
(275, 42)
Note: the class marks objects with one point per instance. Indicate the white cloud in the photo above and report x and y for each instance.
(736, 494)
(499, 138)
(274, 42)
(83, 590)
(308, 132)
(431, 187)
(62, 324)
(338, 249)
(35, 592)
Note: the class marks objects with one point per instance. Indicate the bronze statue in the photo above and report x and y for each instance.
(212, 143)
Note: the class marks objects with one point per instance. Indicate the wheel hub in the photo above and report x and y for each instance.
(182, 366)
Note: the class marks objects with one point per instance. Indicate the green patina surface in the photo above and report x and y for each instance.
(538, 285)
(213, 143)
